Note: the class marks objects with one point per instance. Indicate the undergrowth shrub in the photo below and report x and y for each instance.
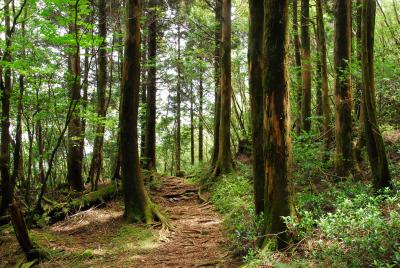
(361, 229)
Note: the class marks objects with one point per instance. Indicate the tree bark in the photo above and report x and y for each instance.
(191, 124)
(375, 145)
(96, 164)
(217, 74)
(137, 202)
(306, 66)
(178, 105)
(75, 149)
(224, 162)
(343, 129)
(278, 150)
(150, 152)
(257, 99)
(201, 100)
(7, 185)
(120, 41)
(326, 110)
(21, 232)
(297, 54)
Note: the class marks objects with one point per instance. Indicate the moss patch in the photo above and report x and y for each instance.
(133, 237)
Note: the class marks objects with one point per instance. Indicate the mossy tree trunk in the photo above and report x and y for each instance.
(257, 99)
(306, 66)
(343, 96)
(224, 162)
(75, 148)
(358, 98)
(326, 109)
(7, 185)
(375, 145)
(150, 148)
(137, 202)
(22, 234)
(96, 164)
(278, 189)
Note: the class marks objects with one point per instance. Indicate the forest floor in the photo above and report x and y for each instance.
(99, 237)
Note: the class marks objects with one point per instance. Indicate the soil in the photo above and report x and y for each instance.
(99, 237)
(198, 239)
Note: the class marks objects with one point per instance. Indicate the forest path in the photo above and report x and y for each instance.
(99, 237)
(197, 239)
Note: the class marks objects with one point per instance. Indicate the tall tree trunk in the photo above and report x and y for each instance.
(75, 149)
(224, 162)
(217, 75)
(375, 145)
(306, 66)
(178, 105)
(120, 41)
(358, 80)
(191, 124)
(85, 96)
(201, 100)
(143, 92)
(257, 99)
(343, 129)
(278, 150)
(297, 54)
(137, 202)
(358, 98)
(40, 145)
(96, 164)
(143, 114)
(18, 168)
(326, 110)
(150, 153)
(7, 184)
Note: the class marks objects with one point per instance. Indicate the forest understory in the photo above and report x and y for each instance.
(222, 231)
(99, 237)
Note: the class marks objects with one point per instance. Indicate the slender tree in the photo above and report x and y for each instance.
(306, 66)
(224, 162)
(150, 151)
(343, 129)
(326, 110)
(191, 124)
(201, 100)
(278, 189)
(375, 145)
(97, 163)
(257, 99)
(297, 54)
(217, 74)
(178, 101)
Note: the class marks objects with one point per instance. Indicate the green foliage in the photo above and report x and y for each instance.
(357, 229)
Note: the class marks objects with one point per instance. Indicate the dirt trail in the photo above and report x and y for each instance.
(197, 240)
